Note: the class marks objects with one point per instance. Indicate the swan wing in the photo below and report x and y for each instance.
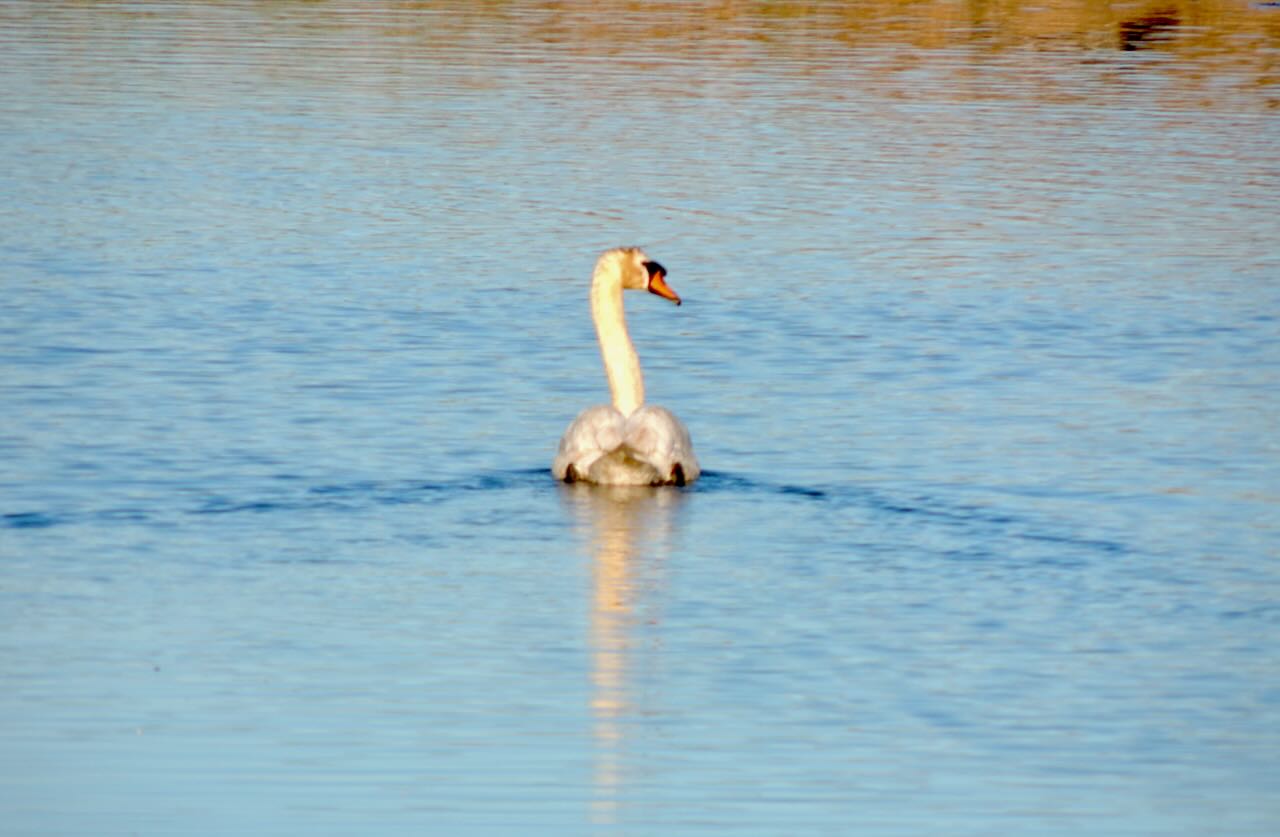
(597, 431)
(651, 446)
(656, 437)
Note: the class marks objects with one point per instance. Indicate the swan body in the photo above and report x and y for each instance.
(627, 442)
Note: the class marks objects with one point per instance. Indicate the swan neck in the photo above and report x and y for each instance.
(621, 363)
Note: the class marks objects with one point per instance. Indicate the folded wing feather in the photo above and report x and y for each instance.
(642, 449)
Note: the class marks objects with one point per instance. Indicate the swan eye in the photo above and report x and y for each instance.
(653, 268)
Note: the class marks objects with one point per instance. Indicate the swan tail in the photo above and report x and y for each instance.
(649, 447)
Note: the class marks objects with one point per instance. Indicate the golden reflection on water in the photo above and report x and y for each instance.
(630, 531)
(1206, 50)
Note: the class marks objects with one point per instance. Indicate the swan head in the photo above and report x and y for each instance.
(638, 272)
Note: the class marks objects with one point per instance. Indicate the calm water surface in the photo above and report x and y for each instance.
(979, 349)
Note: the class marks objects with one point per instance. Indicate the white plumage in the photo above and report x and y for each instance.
(627, 442)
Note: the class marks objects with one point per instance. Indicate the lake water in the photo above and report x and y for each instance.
(979, 352)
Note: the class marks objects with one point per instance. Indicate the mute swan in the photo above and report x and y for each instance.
(628, 442)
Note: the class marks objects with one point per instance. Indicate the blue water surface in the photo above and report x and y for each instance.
(979, 350)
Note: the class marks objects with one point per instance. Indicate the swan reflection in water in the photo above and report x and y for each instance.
(631, 533)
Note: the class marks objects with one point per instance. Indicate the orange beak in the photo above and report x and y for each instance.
(658, 285)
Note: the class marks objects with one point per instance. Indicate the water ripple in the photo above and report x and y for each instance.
(295, 496)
